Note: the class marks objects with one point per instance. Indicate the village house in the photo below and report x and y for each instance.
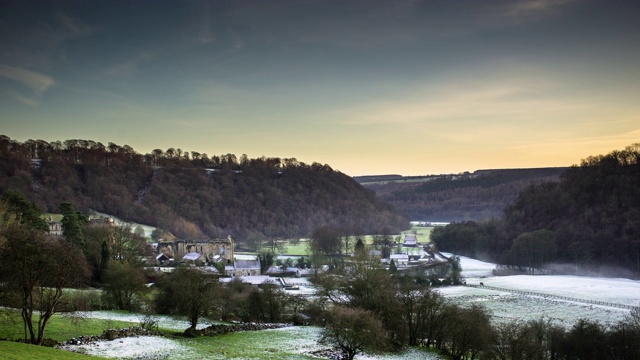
(410, 240)
(243, 268)
(401, 260)
(194, 258)
(287, 271)
(55, 227)
(256, 280)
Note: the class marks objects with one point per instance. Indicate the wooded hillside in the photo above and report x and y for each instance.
(191, 194)
(470, 196)
(590, 221)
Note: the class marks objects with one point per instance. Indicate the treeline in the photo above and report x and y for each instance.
(192, 194)
(398, 311)
(477, 196)
(588, 221)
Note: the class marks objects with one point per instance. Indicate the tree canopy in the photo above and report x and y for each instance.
(191, 194)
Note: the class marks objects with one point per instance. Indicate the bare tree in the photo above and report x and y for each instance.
(354, 331)
(36, 270)
(187, 292)
(123, 285)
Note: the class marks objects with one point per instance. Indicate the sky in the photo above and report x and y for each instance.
(367, 87)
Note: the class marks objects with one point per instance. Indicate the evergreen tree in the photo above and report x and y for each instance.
(28, 213)
(392, 267)
(72, 225)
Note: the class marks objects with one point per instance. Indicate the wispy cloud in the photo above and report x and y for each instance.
(21, 98)
(529, 7)
(72, 28)
(520, 12)
(36, 82)
(516, 99)
(129, 66)
(205, 34)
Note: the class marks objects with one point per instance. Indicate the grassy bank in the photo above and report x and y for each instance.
(10, 350)
(61, 327)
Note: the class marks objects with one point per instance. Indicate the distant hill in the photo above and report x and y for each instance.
(480, 195)
(588, 222)
(191, 194)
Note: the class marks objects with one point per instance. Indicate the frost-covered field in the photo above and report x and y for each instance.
(139, 347)
(300, 342)
(284, 343)
(164, 322)
(507, 306)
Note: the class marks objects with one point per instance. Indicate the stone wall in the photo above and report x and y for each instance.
(220, 329)
(112, 334)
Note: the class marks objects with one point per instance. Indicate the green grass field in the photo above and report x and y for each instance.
(10, 350)
(423, 232)
(60, 327)
(287, 343)
(298, 249)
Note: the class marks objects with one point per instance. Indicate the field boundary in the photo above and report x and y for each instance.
(533, 293)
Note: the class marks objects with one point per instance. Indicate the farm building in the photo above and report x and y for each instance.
(401, 260)
(243, 268)
(410, 240)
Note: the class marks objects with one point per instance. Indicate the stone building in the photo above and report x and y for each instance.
(212, 250)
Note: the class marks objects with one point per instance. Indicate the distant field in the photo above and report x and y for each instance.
(386, 179)
(423, 233)
(54, 217)
(298, 249)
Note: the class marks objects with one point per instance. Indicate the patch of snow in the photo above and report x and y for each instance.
(408, 354)
(245, 257)
(141, 347)
(164, 321)
(472, 268)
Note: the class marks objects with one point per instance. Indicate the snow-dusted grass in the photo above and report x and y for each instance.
(509, 306)
(409, 354)
(285, 343)
(617, 291)
(300, 342)
(140, 347)
(164, 321)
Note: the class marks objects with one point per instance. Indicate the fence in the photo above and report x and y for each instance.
(532, 293)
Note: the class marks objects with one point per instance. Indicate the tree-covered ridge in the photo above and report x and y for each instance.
(190, 193)
(589, 220)
(470, 196)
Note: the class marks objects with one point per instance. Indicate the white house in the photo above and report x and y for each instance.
(401, 260)
(243, 268)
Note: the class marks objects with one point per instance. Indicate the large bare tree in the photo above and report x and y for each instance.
(36, 270)
(354, 331)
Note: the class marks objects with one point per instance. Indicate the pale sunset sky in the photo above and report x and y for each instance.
(368, 87)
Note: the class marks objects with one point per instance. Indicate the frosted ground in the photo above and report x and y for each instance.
(509, 306)
(299, 342)
(285, 343)
(164, 321)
